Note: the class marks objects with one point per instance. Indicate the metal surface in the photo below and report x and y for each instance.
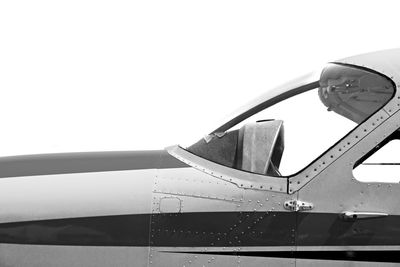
(241, 179)
(174, 208)
(329, 157)
(67, 163)
(217, 218)
(336, 191)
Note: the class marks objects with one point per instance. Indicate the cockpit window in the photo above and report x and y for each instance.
(353, 92)
(289, 134)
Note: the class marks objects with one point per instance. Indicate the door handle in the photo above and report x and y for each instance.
(362, 215)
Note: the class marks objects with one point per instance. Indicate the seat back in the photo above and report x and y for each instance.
(260, 147)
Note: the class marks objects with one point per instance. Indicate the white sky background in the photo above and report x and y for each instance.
(134, 75)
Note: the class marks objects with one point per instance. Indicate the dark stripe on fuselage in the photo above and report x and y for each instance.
(206, 229)
(351, 255)
(63, 163)
(120, 230)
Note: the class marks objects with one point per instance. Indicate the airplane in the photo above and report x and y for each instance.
(224, 200)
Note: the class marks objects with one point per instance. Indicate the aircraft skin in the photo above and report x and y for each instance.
(173, 208)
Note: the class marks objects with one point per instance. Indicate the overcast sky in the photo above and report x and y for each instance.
(133, 75)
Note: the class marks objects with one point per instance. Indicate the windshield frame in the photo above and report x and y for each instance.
(271, 97)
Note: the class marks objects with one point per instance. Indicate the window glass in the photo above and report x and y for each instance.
(381, 166)
(299, 125)
(309, 129)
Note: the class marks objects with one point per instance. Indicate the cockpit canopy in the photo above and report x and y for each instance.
(257, 146)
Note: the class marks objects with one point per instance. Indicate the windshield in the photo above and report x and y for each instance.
(271, 97)
(285, 130)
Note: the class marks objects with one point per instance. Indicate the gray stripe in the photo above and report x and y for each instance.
(283, 248)
(46, 164)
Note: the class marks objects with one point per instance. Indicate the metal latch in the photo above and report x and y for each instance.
(297, 205)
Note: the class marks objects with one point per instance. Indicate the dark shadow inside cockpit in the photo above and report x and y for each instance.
(256, 147)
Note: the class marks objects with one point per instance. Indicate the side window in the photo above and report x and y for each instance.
(382, 164)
